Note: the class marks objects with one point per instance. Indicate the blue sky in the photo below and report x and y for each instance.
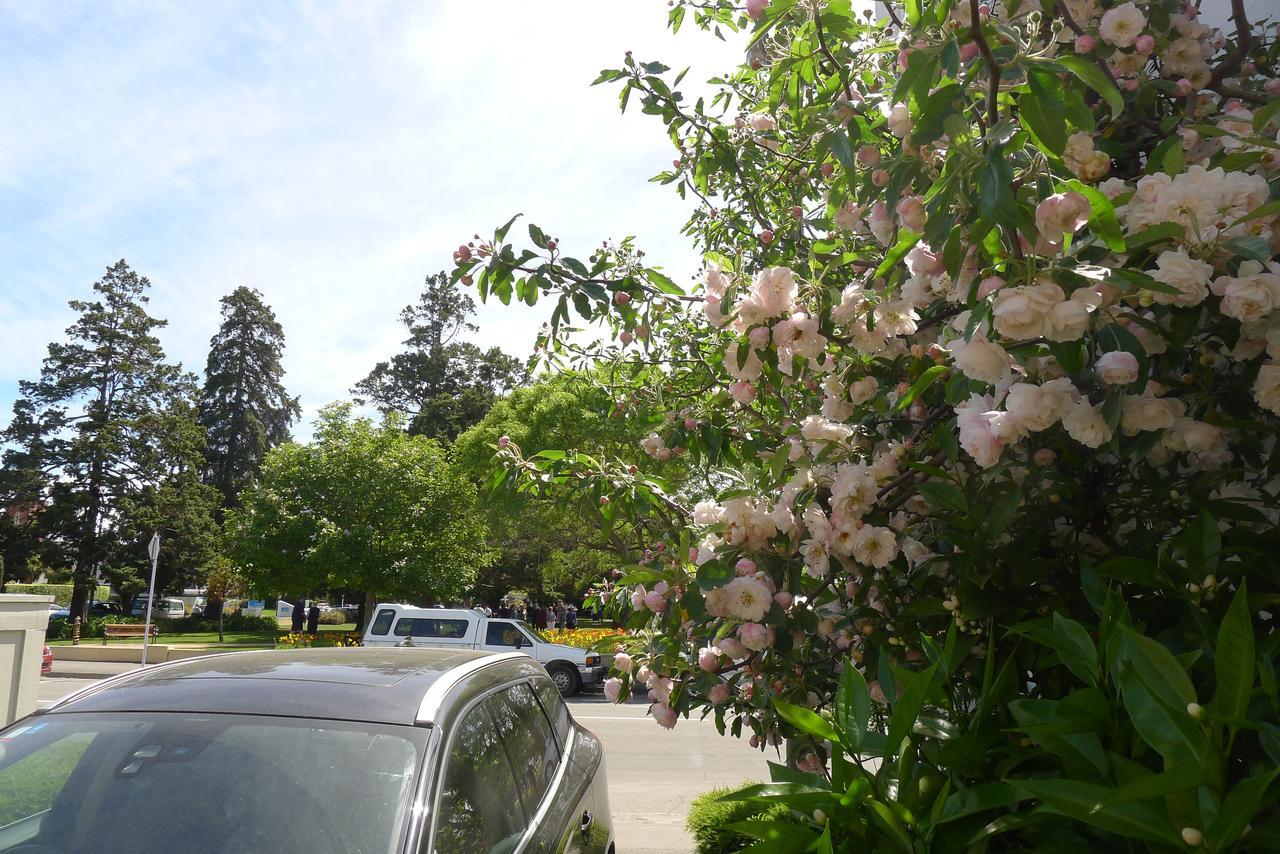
(329, 154)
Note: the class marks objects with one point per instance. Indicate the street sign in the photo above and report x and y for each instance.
(153, 549)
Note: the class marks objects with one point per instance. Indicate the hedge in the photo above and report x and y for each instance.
(709, 818)
(61, 593)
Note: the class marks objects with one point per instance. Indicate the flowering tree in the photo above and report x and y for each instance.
(981, 383)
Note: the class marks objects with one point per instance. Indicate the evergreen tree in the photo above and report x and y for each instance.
(84, 437)
(443, 385)
(244, 406)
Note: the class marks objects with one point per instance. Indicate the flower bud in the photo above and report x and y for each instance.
(1196, 711)
(1192, 837)
(766, 236)
(622, 298)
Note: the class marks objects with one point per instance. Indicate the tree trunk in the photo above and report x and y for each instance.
(366, 610)
(221, 611)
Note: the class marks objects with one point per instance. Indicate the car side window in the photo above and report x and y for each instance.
(382, 624)
(524, 730)
(480, 809)
(502, 634)
(553, 705)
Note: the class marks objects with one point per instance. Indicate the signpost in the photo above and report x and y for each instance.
(153, 552)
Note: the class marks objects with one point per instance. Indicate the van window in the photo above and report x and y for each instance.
(382, 624)
(504, 634)
(431, 627)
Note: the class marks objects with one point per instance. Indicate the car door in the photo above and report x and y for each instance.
(578, 822)
(505, 636)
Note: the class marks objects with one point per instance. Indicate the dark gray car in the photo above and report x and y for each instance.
(325, 751)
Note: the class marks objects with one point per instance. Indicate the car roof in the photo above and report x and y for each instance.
(378, 685)
(435, 613)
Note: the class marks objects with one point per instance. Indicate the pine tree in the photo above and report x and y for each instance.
(87, 430)
(244, 406)
(442, 385)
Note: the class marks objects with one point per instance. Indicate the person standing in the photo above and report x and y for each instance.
(313, 619)
(571, 617)
(299, 615)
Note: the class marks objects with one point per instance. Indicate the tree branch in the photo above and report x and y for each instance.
(993, 67)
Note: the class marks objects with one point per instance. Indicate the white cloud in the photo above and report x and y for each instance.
(330, 155)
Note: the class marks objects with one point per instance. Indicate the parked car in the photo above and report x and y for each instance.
(46, 660)
(97, 609)
(457, 751)
(404, 625)
(166, 607)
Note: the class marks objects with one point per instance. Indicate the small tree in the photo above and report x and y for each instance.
(224, 582)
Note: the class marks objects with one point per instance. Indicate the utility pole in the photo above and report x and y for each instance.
(153, 552)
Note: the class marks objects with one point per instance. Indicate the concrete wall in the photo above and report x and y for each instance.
(23, 619)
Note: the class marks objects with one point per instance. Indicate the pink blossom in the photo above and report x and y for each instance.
(1117, 367)
(989, 286)
(742, 391)
(1145, 44)
(755, 8)
(745, 566)
(462, 254)
(911, 213)
(709, 658)
(719, 693)
(756, 636)
(880, 178)
(759, 337)
(655, 602)
(868, 155)
(612, 689)
(783, 598)
(876, 692)
(693, 554)
(1061, 214)
(504, 441)
(622, 663)
(664, 715)
(733, 648)
(968, 51)
(637, 597)
(1085, 43)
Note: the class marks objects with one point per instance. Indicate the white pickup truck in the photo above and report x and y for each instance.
(406, 625)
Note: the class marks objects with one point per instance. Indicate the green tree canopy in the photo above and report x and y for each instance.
(441, 384)
(101, 428)
(363, 506)
(548, 545)
(244, 405)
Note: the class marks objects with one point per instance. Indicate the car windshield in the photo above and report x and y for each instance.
(204, 783)
(531, 630)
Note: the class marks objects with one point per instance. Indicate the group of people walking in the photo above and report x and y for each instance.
(557, 616)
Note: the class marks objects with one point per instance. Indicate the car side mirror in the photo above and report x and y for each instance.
(408, 641)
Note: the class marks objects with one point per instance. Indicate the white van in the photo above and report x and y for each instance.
(165, 608)
(405, 625)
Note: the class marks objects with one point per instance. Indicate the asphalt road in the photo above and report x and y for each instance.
(653, 773)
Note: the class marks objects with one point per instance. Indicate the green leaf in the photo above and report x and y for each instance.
(1155, 234)
(1234, 658)
(1103, 222)
(806, 721)
(1081, 801)
(943, 494)
(1253, 248)
(853, 704)
(1076, 648)
(906, 241)
(1239, 808)
(908, 706)
(975, 799)
(1092, 76)
(926, 379)
(1044, 110)
(715, 573)
(1001, 510)
(1269, 209)
(1158, 667)
(842, 149)
(663, 282)
(1176, 779)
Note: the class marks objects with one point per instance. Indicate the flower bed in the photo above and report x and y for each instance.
(302, 640)
(582, 638)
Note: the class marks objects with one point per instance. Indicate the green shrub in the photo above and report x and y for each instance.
(91, 628)
(333, 617)
(709, 818)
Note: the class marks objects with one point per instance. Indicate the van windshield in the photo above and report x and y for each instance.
(532, 631)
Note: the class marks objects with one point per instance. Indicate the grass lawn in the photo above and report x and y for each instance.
(236, 638)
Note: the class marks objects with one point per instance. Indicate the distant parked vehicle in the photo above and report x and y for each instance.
(404, 625)
(97, 609)
(165, 608)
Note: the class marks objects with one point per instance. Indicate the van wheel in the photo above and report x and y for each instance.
(566, 681)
